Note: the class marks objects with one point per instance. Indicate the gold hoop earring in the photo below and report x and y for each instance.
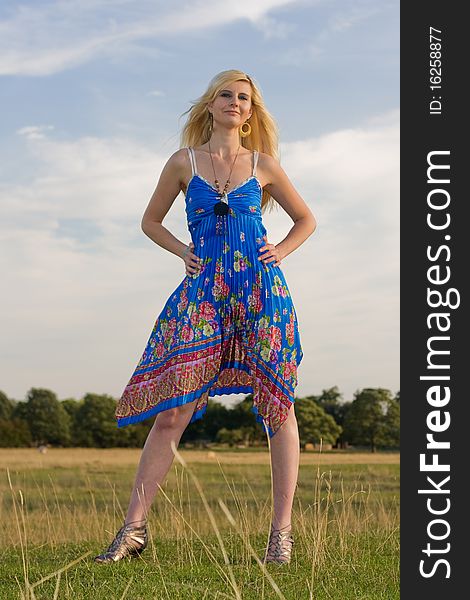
(245, 133)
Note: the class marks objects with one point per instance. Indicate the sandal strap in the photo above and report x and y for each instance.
(128, 541)
(279, 545)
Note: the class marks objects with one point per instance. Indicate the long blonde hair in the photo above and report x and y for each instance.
(264, 131)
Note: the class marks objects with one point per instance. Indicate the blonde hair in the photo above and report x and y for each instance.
(264, 131)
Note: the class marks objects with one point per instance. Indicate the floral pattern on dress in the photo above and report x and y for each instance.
(230, 327)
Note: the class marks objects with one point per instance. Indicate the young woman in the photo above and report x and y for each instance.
(230, 326)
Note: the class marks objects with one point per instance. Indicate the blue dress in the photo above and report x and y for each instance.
(229, 328)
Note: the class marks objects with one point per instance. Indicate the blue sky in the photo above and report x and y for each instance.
(92, 97)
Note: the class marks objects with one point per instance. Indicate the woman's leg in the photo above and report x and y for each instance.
(285, 456)
(156, 459)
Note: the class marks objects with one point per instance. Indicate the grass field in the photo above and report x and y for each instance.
(207, 526)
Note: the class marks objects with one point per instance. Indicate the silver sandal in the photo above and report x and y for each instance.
(129, 541)
(279, 548)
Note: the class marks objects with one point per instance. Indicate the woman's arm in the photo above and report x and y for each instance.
(281, 189)
(168, 188)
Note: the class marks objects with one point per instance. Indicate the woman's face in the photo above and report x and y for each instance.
(232, 105)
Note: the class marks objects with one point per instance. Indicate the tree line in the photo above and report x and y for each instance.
(371, 419)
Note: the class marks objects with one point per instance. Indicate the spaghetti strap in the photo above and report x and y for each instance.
(192, 158)
(255, 161)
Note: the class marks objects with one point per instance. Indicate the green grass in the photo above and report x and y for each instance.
(345, 523)
(370, 573)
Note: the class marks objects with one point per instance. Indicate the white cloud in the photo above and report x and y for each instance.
(35, 132)
(44, 39)
(84, 284)
(274, 28)
(317, 46)
(340, 21)
(301, 55)
(80, 275)
(346, 276)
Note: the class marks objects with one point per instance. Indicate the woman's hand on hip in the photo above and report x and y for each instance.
(269, 253)
(191, 261)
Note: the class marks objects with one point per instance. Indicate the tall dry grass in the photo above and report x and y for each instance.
(332, 520)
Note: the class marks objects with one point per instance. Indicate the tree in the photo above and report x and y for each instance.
(96, 423)
(71, 407)
(6, 406)
(20, 411)
(365, 422)
(314, 423)
(14, 433)
(331, 400)
(46, 418)
(216, 417)
(330, 397)
(230, 436)
(220, 423)
(392, 423)
(242, 417)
